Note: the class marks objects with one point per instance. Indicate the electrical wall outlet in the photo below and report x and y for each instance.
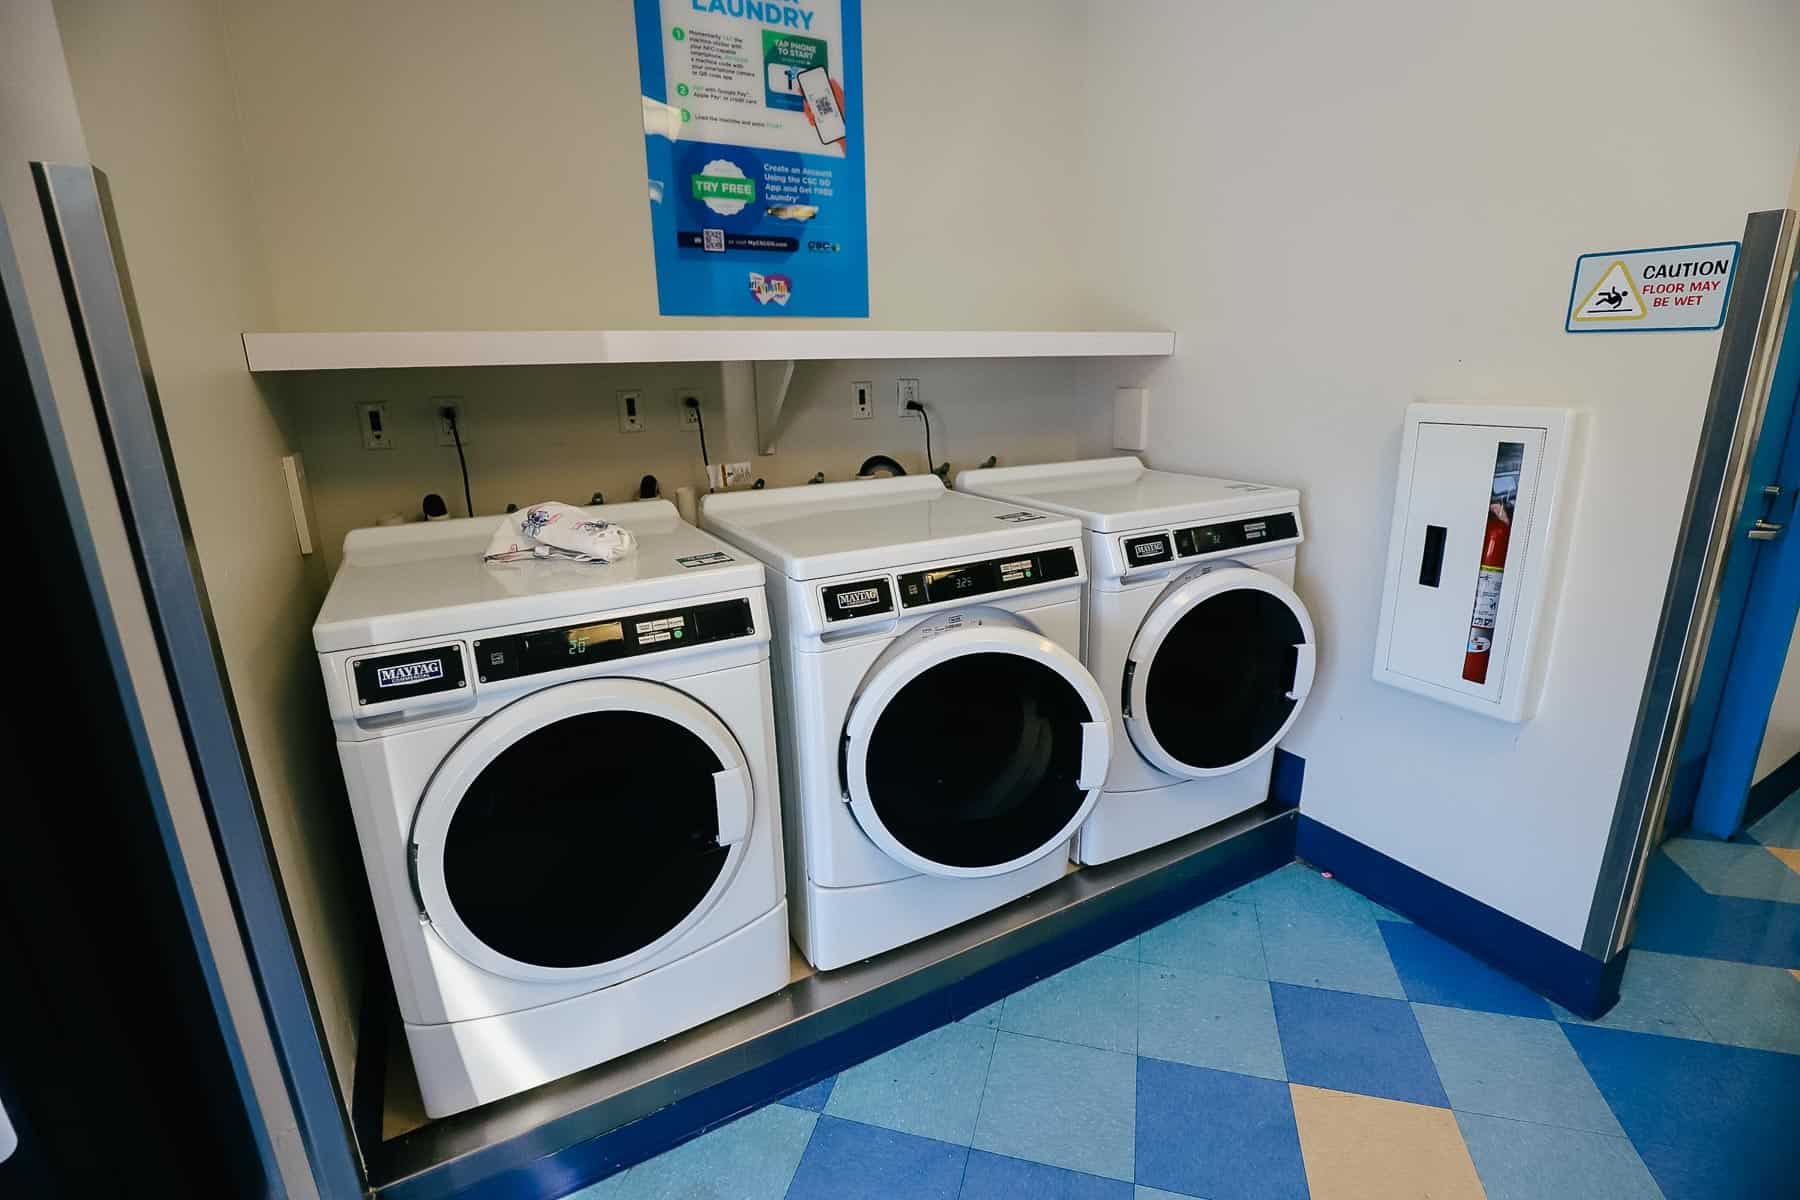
(372, 420)
(631, 411)
(446, 436)
(690, 416)
(862, 394)
(736, 473)
(906, 391)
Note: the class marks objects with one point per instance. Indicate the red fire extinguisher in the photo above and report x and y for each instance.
(1487, 595)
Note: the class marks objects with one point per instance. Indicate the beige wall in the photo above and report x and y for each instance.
(423, 164)
(553, 433)
(156, 100)
(1341, 209)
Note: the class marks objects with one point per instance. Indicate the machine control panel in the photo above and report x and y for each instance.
(990, 575)
(1147, 551)
(860, 598)
(603, 640)
(1236, 534)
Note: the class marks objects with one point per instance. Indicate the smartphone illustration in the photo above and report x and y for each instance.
(815, 85)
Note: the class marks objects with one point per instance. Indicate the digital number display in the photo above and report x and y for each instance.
(582, 637)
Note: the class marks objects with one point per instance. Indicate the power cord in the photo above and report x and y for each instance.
(700, 423)
(449, 415)
(930, 460)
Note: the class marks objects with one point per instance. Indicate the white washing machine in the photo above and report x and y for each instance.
(940, 740)
(563, 778)
(1191, 625)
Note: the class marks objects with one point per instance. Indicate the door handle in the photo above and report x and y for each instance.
(1096, 754)
(731, 793)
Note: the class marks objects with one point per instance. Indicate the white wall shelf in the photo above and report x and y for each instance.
(518, 348)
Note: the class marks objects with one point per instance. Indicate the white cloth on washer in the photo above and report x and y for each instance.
(553, 530)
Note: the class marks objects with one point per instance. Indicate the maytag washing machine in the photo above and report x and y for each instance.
(1191, 625)
(563, 779)
(940, 740)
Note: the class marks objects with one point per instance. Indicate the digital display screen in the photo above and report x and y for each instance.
(582, 637)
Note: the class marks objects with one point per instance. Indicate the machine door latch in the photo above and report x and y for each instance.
(1763, 529)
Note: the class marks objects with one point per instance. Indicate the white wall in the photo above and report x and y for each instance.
(553, 432)
(455, 164)
(157, 104)
(1342, 209)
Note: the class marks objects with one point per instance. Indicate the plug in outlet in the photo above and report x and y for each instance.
(906, 391)
(690, 414)
(862, 393)
(446, 436)
(372, 420)
(631, 412)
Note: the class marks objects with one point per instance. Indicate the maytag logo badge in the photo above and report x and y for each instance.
(407, 674)
(861, 598)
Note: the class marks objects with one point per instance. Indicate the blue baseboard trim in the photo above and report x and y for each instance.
(1584, 985)
(1286, 778)
(1769, 791)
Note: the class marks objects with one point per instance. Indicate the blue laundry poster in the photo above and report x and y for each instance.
(753, 136)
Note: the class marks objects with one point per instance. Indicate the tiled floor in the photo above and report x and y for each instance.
(1293, 1039)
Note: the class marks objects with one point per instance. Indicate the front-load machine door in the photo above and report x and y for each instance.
(1218, 671)
(581, 828)
(975, 748)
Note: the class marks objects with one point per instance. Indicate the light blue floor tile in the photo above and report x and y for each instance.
(1645, 1005)
(988, 1017)
(1218, 1021)
(1518, 1067)
(1150, 1193)
(1221, 938)
(1781, 825)
(1334, 949)
(931, 1086)
(998, 1177)
(753, 1158)
(1740, 1004)
(1383, 913)
(1125, 949)
(1521, 1161)
(1093, 1003)
(1069, 1106)
(848, 1161)
(1298, 888)
(1734, 869)
(813, 1096)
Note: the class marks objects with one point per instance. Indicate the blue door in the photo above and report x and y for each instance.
(1759, 600)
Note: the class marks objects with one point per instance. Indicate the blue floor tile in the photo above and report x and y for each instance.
(1125, 949)
(1221, 938)
(997, 1177)
(1150, 1193)
(811, 1097)
(1216, 1134)
(1066, 1105)
(1093, 1003)
(1710, 1121)
(1781, 825)
(1298, 888)
(1515, 1067)
(1644, 1003)
(753, 1158)
(1218, 1021)
(1521, 1161)
(1678, 916)
(931, 1086)
(1350, 1043)
(988, 1017)
(1742, 1004)
(1434, 972)
(849, 1161)
(1745, 870)
(1344, 952)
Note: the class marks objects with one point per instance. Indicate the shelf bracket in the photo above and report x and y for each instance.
(772, 382)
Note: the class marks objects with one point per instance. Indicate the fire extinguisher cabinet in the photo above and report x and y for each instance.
(1466, 609)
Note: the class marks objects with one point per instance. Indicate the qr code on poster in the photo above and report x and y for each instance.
(712, 241)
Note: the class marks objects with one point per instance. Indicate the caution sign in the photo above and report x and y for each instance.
(1641, 291)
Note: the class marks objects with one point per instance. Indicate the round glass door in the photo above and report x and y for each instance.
(1218, 671)
(582, 832)
(975, 752)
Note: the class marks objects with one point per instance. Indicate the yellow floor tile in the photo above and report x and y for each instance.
(1361, 1148)
(1795, 974)
(1790, 857)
